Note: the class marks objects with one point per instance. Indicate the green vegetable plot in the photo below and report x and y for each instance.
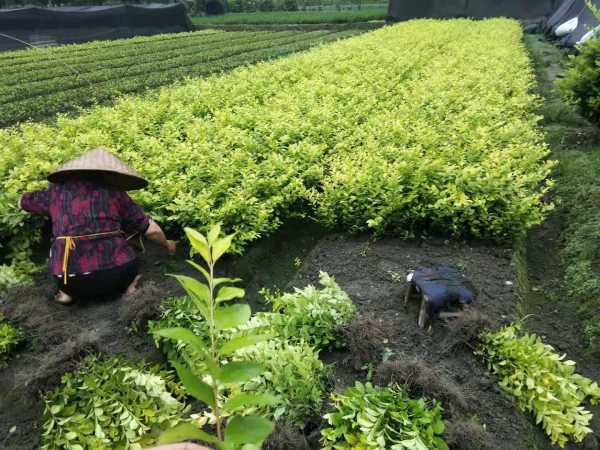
(37, 84)
(425, 124)
(295, 17)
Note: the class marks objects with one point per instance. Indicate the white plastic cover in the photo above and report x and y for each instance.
(590, 34)
(566, 28)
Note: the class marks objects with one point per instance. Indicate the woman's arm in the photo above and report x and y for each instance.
(37, 202)
(156, 234)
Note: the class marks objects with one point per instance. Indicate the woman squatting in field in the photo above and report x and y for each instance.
(93, 219)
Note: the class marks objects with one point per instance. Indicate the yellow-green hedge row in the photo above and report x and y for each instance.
(422, 124)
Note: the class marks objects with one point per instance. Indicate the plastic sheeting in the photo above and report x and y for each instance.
(73, 24)
(479, 9)
(567, 10)
(585, 23)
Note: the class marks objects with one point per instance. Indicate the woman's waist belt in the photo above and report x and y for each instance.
(70, 245)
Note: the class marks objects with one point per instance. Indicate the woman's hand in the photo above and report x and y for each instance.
(156, 234)
(171, 247)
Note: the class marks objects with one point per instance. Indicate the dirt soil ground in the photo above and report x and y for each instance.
(436, 362)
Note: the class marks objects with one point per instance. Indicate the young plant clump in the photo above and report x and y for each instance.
(292, 371)
(216, 387)
(111, 404)
(312, 315)
(10, 338)
(373, 418)
(541, 381)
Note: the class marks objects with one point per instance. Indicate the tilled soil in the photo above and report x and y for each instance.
(438, 362)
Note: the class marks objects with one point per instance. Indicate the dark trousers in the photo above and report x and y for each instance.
(101, 283)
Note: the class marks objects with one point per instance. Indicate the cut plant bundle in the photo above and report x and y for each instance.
(311, 315)
(367, 417)
(541, 381)
(410, 126)
(111, 404)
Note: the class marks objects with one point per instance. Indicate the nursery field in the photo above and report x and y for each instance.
(357, 134)
(295, 17)
(332, 172)
(37, 84)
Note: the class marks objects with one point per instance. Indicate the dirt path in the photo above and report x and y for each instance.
(553, 316)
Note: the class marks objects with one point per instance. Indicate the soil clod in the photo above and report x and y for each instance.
(364, 338)
(467, 435)
(423, 380)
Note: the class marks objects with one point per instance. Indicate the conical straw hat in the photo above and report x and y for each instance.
(100, 164)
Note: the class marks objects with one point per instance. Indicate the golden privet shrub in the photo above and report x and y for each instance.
(421, 124)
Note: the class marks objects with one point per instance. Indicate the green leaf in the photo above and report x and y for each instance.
(438, 426)
(186, 432)
(199, 243)
(229, 293)
(216, 281)
(185, 335)
(213, 234)
(248, 430)
(231, 316)
(221, 246)
(198, 292)
(247, 399)
(196, 387)
(239, 372)
(200, 269)
(238, 342)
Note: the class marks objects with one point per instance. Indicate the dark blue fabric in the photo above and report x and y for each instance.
(444, 286)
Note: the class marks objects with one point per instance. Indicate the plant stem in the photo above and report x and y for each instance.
(213, 351)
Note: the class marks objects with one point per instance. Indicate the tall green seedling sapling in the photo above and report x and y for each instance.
(214, 385)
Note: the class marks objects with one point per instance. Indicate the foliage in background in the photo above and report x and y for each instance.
(10, 338)
(581, 84)
(216, 387)
(410, 126)
(374, 418)
(294, 17)
(541, 381)
(312, 315)
(579, 191)
(111, 404)
(37, 84)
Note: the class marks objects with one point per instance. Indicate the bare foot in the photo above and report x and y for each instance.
(133, 286)
(63, 298)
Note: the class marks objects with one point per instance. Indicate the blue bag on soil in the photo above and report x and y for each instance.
(444, 286)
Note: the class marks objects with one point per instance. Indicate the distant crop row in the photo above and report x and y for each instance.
(425, 124)
(295, 17)
(42, 85)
